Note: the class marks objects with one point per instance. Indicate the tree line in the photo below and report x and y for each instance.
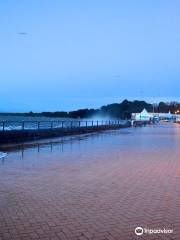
(121, 110)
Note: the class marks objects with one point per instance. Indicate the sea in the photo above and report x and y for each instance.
(26, 122)
(17, 122)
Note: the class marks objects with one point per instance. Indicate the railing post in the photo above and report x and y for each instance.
(62, 124)
(86, 123)
(97, 123)
(38, 125)
(92, 123)
(51, 124)
(79, 124)
(3, 125)
(23, 125)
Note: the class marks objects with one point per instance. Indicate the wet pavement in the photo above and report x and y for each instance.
(94, 187)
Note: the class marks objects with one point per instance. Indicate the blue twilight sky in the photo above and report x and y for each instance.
(80, 53)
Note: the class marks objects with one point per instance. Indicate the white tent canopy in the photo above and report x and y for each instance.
(144, 115)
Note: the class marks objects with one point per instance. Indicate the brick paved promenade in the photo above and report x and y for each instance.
(94, 188)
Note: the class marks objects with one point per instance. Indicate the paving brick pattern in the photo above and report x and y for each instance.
(96, 188)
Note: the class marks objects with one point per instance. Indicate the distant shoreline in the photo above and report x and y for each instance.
(121, 110)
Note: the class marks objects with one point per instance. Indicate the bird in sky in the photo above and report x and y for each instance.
(22, 33)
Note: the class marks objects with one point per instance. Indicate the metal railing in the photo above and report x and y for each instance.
(37, 125)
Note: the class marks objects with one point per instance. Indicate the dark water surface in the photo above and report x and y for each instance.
(98, 186)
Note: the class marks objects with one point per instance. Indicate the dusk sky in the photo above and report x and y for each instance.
(65, 55)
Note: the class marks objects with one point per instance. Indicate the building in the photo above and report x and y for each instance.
(147, 116)
(142, 116)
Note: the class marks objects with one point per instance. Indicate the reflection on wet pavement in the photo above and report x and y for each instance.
(98, 186)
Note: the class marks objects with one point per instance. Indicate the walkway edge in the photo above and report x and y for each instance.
(17, 136)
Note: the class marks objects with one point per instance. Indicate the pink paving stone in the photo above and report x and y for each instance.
(94, 187)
